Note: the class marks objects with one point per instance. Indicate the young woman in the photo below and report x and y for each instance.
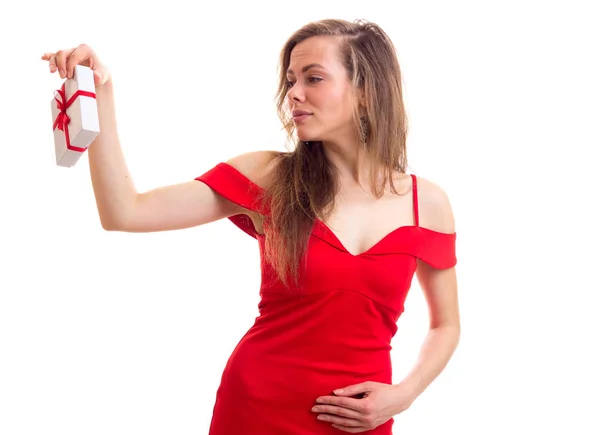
(341, 228)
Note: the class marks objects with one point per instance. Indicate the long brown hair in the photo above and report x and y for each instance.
(304, 182)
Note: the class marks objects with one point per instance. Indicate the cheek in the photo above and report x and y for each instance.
(340, 113)
(340, 105)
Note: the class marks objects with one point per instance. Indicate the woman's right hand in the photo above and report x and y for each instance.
(64, 61)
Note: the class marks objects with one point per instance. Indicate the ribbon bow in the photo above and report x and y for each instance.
(62, 120)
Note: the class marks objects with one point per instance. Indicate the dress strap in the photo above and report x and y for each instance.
(415, 199)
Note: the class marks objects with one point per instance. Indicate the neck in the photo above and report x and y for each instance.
(350, 160)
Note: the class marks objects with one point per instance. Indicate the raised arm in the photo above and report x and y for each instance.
(120, 206)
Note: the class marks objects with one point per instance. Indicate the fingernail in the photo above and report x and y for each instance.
(62, 73)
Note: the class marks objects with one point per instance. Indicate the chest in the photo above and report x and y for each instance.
(359, 220)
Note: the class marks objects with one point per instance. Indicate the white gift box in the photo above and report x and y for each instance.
(75, 116)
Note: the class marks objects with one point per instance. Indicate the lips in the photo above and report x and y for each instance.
(300, 115)
(300, 118)
(296, 113)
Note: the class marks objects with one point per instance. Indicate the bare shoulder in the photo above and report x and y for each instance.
(435, 210)
(256, 165)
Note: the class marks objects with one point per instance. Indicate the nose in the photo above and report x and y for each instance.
(296, 93)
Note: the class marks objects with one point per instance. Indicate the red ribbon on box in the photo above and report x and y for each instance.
(62, 120)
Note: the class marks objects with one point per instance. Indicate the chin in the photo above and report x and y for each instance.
(306, 136)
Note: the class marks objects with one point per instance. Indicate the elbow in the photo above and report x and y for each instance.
(452, 332)
(109, 226)
(112, 224)
(116, 218)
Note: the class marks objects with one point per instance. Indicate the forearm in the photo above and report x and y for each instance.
(112, 183)
(437, 349)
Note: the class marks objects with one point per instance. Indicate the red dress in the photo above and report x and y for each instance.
(335, 332)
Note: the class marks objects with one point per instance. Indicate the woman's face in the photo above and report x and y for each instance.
(320, 92)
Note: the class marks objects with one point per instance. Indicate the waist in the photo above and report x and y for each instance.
(287, 373)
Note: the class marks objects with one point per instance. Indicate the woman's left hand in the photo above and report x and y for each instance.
(378, 404)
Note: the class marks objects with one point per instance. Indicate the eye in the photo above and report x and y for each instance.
(314, 79)
(289, 84)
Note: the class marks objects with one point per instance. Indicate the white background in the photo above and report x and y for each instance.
(111, 333)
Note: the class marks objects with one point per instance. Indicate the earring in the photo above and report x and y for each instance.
(364, 129)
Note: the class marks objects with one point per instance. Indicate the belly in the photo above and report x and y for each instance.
(295, 374)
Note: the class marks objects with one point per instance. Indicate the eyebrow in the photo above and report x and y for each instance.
(307, 67)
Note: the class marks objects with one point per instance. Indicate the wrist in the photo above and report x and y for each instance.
(408, 389)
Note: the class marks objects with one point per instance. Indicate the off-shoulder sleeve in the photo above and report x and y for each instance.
(435, 248)
(236, 187)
